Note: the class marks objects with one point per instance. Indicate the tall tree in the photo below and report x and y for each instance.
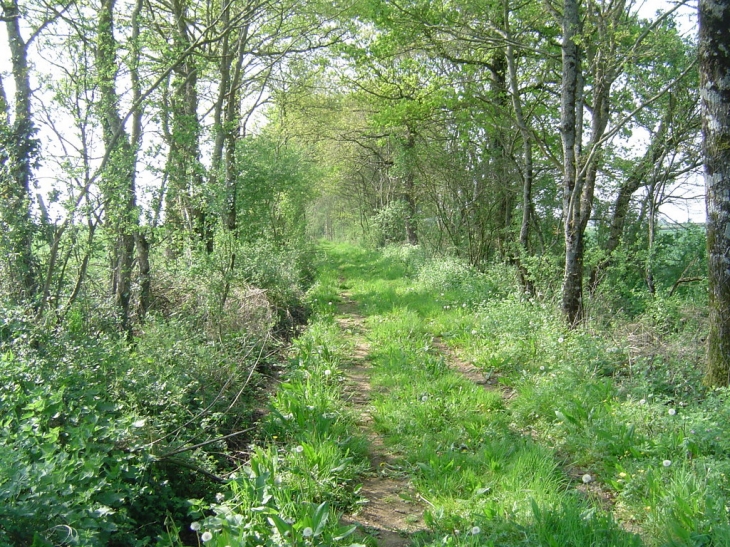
(18, 153)
(715, 91)
(118, 181)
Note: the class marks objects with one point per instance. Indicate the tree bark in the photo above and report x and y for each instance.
(527, 167)
(118, 182)
(409, 188)
(18, 155)
(185, 198)
(714, 50)
(572, 305)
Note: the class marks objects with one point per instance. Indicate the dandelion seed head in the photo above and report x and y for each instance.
(219, 497)
(328, 372)
(667, 463)
(308, 532)
(542, 367)
(207, 536)
(642, 402)
(474, 331)
(475, 530)
(672, 411)
(587, 478)
(299, 449)
(195, 526)
(561, 340)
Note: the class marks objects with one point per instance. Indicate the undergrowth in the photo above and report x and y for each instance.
(603, 435)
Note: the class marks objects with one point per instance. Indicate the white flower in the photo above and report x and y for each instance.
(207, 536)
(219, 497)
(475, 530)
(195, 526)
(299, 449)
(672, 412)
(327, 372)
(667, 463)
(587, 478)
(307, 532)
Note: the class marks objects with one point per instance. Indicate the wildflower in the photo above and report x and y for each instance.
(299, 449)
(667, 463)
(195, 526)
(207, 536)
(672, 412)
(308, 532)
(327, 372)
(219, 497)
(587, 478)
(475, 530)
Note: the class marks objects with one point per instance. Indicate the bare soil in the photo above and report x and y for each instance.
(391, 512)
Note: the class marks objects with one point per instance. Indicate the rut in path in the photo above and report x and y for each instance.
(391, 513)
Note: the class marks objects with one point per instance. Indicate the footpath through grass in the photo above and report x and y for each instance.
(569, 448)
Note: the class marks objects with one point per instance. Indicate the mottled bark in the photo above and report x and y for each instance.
(572, 304)
(714, 45)
(118, 181)
(580, 167)
(18, 152)
(185, 205)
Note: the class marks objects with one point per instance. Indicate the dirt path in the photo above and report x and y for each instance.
(390, 514)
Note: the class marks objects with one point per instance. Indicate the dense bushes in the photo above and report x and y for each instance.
(102, 441)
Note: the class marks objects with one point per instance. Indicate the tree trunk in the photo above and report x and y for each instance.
(185, 204)
(572, 306)
(118, 183)
(714, 46)
(409, 188)
(18, 151)
(527, 167)
(580, 168)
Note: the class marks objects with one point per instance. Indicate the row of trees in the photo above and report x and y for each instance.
(123, 95)
(498, 124)
(490, 129)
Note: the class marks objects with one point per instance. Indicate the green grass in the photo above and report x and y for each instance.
(651, 438)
